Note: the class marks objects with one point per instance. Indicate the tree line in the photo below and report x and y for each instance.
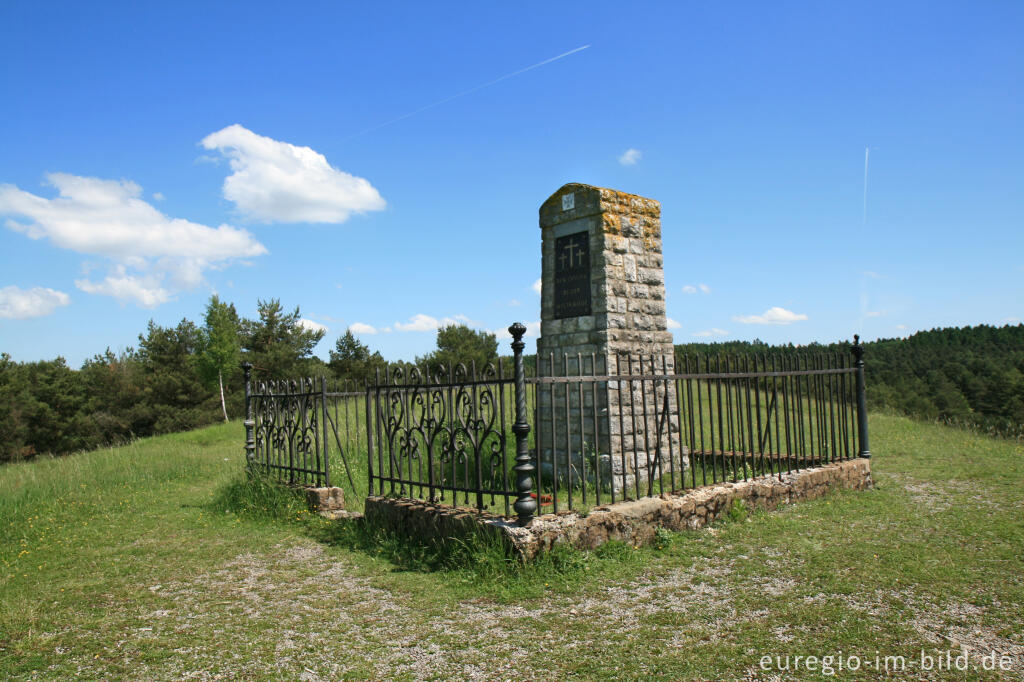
(966, 376)
(182, 377)
(189, 375)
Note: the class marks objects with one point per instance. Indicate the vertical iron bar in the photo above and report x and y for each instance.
(323, 403)
(748, 452)
(851, 402)
(583, 431)
(711, 423)
(568, 431)
(378, 408)
(721, 422)
(646, 426)
(842, 391)
(689, 412)
(632, 417)
(812, 430)
(785, 413)
(827, 417)
(775, 418)
(667, 416)
(504, 441)
(729, 386)
(597, 431)
(799, 440)
(822, 421)
(479, 445)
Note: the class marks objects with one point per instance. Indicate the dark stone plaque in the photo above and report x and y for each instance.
(572, 275)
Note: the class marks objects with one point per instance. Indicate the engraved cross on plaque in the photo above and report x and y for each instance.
(572, 275)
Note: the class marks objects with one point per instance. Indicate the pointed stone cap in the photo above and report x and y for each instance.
(577, 200)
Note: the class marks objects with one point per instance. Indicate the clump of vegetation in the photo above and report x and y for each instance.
(260, 497)
(738, 511)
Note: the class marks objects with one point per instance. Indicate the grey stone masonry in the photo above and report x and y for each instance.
(603, 313)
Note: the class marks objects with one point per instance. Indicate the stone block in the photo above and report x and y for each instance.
(325, 499)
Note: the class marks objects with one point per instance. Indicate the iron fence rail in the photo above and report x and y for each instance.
(579, 432)
(708, 420)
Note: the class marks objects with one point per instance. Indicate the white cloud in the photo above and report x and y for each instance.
(277, 182)
(418, 323)
(144, 290)
(19, 304)
(672, 324)
(704, 288)
(537, 286)
(1012, 320)
(108, 218)
(425, 323)
(361, 328)
(159, 196)
(714, 331)
(874, 313)
(311, 325)
(901, 327)
(691, 289)
(630, 157)
(774, 315)
(514, 303)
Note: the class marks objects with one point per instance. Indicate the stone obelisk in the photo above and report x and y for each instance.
(603, 313)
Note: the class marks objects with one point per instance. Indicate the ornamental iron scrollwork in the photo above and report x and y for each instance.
(288, 430)
(443, 434)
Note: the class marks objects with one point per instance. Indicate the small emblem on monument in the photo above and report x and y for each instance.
(572, 275)
(569, 201)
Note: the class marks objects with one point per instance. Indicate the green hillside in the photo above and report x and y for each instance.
(135, 563)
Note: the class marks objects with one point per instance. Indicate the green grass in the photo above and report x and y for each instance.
(158, 560)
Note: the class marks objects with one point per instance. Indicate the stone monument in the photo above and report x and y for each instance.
(603, 314)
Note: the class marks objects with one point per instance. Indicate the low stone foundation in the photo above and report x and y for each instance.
(633, 521)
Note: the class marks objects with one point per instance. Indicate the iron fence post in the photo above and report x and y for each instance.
(525, 505)
(250, 424)
(862, 398)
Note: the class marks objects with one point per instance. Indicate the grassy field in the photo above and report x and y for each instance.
(150, 561)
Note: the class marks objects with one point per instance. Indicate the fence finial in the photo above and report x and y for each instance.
(862, 398)
(525, 505)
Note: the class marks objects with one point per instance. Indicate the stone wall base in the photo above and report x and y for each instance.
(633, 521)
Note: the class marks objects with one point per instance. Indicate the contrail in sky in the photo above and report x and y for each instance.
(864, 224)
(470, 91)
(864, 217)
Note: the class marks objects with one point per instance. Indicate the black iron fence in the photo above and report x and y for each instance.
(442, 435)
(647, 425)
(578, 432)
(294, 428)
(286, 429)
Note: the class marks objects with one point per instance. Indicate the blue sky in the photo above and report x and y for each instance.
(151, 155)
